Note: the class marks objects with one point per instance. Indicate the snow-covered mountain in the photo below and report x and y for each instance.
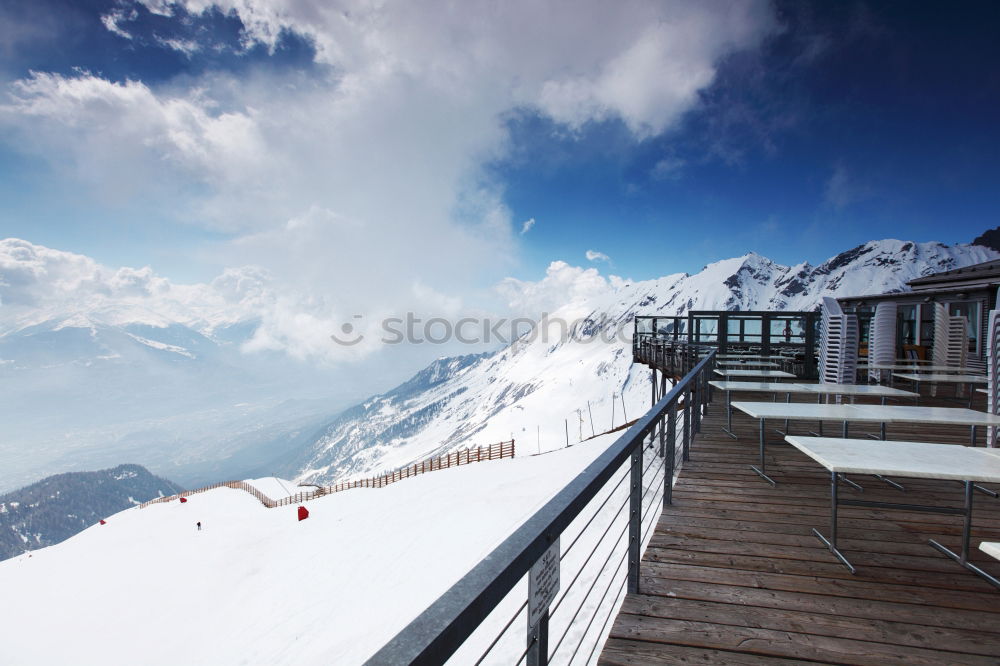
(553, 390)
(57, 507)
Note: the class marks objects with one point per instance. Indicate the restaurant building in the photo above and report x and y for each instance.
(970, 292)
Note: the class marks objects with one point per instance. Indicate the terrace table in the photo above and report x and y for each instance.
(767, 374)
(748, 364)
(904, 459)
(913, 369)
(819, 390)
(945, 369)
(941, 378)
(756, 357)
(881, 414)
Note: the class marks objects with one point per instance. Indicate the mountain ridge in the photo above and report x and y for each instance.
(541, 385)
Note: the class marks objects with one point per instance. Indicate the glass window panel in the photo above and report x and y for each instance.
(908, 323)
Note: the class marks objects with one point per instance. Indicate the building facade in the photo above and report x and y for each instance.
(970, 292)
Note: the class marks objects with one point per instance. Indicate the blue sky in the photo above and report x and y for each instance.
(817, 127)
(859, 121)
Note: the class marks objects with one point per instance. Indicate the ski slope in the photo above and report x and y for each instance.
(256, 586)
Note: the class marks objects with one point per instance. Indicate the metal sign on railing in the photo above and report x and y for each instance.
(543, 584)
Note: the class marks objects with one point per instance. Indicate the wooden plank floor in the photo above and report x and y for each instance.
(733, 574)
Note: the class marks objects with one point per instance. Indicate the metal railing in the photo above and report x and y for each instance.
(606, 515)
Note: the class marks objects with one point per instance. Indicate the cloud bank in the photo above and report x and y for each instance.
(358, 186)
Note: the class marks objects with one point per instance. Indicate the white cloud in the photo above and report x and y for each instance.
(188, 47)
(593, 255)
(655, 77)
(563, 286)
(112, 22)
(38, 282)
(668, 168)
(356, 182)
(527, 225)
(844, 189)
(125, 139)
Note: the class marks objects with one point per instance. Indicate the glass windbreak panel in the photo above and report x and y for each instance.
(791, 330)
(744, 329)
(644, 325)
(908, 323)
(669, 328)
(706, 329)
(969, 310)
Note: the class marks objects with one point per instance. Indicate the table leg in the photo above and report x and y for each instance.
(832, 542)
(762, 471)
(963, 559)
(983, 490)
(819, 429)
(729, 415)
(852, 484)
(783, 433)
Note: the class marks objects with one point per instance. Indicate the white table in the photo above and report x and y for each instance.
(942, 378)
(991, 548)
(748, 364)
(767, 374)
(881, 414)
(819, 390)
(906, 459)
(947, 369)
(755, 357)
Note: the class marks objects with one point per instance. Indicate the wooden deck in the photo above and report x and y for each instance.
(734, 575)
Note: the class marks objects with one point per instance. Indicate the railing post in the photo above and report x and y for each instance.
(697, 407)
(635, 521)
(686, 435)
(538, 642)
(703, 377)
(671, 453)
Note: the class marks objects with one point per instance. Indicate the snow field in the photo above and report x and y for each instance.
(257, 586)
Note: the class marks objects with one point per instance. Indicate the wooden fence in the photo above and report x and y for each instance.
(462, 457)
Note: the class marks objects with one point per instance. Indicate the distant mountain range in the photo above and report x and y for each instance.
(97, 368)
(57, 507)
(547, 393)
(88, 381)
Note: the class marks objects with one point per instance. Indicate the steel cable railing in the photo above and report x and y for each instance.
(475, 621)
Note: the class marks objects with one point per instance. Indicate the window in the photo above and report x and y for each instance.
(908, 324)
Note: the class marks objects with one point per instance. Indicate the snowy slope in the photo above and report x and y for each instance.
(536, 391)
(256, 586)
